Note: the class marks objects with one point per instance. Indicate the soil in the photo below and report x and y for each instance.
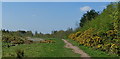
(77, 50)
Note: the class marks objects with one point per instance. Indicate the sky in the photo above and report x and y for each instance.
(0, 15)
(59, 0)
(45, 16)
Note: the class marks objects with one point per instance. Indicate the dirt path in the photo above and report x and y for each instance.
(75, 49)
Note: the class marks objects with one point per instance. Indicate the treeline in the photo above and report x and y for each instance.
(20, 36)
(100, 31)
(55, 34)
(15, 36)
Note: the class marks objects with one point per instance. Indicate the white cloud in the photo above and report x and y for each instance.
(85, 8)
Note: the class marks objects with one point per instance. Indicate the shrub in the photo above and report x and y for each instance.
(20, 53)
(109, 44)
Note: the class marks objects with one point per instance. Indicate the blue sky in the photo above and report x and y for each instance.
(0, 15)
(45, 16)
(59, 0)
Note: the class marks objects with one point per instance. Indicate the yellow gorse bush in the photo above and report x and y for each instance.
(87, 38)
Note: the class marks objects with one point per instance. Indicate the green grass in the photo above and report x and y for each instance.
(90, 51)
(41, 50)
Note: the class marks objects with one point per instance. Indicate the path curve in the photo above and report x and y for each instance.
(75, 49)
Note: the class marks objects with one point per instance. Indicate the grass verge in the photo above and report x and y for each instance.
(41, 50)
(90, 51)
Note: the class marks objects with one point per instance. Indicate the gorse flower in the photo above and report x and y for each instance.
(87, 38)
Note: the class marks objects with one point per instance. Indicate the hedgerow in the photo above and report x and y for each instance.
(103, 32)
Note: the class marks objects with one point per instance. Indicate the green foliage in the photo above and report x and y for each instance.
(61, 34)
(40, 50)
(20, 54)
(103, 32)
(11, 37)
(90, 15)
(92, 52)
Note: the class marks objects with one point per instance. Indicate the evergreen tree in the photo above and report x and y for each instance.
(90, 15)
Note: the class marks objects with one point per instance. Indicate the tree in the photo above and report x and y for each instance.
(29, 33)
(90, 15)
(36, 32)
(119, 15)
(53, 32)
